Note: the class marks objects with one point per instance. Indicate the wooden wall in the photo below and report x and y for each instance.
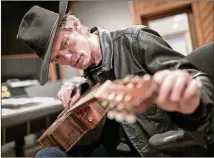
(204, 17)
(201, 16)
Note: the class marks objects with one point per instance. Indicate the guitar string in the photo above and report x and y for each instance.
(87, 97)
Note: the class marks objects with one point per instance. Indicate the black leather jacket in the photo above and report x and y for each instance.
(138, 50)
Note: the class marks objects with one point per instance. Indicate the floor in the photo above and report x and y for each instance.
(31, 147)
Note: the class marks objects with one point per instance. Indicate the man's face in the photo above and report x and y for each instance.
(71, 48)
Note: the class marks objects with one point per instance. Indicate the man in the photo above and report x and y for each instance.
(184, 100)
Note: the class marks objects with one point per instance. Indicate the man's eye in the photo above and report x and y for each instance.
(65, 43)
(56, 59)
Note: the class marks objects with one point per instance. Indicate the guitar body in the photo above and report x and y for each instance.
(81, 125)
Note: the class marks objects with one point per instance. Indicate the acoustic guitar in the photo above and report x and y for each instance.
(82, 122)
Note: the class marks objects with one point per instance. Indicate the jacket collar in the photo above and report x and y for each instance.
(106, 48)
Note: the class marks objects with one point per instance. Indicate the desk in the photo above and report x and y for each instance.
(21, 122)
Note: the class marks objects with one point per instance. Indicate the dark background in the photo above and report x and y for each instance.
(12, 13)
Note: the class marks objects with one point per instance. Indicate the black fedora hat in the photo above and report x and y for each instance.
(37, 30)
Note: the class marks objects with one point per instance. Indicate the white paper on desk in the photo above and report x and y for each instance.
(24, 83)
(16, 101)
(23, 101)
(44, 99)
(5, 111)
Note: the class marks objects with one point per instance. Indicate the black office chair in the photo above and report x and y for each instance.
(203, 59)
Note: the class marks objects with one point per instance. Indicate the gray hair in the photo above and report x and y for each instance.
(64, 22)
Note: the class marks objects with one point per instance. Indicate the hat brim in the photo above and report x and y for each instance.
(44, 73)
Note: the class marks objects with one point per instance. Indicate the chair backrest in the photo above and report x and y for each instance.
(203, 59)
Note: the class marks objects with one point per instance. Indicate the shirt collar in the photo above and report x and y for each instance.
(106, 48)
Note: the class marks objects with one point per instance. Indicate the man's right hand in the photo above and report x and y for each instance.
(65, 92)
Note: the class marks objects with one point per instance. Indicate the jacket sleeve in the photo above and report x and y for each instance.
(155, 55)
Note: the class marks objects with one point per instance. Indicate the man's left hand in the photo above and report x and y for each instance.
(178, 91)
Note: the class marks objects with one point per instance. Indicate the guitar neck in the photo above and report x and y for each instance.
(120, 95)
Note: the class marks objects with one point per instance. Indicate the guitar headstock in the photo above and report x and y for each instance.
(121, 96)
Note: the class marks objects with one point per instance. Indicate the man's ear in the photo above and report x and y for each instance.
(73, 22)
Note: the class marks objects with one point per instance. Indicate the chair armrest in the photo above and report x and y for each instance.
(173, 140)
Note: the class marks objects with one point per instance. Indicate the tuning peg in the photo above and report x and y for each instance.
(111, 105)
(146, 77)
(120, 107)
(111, 96)
(104, 103)
(127, 79)
(111, 114)
(135, 79)
(120, 116)
(130, 85)
(127, 97)
(130, 118)
(119, 97)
